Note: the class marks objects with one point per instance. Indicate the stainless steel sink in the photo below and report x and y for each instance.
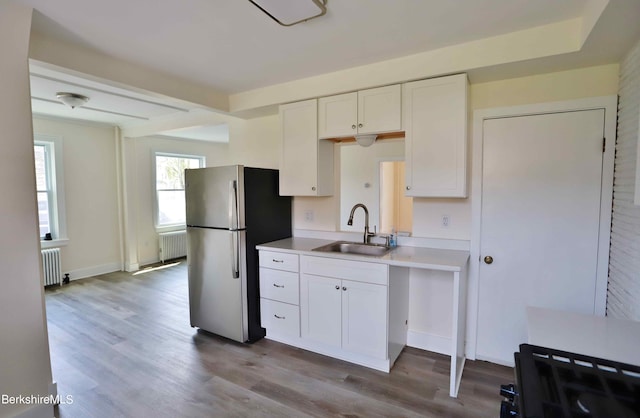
(354, 248)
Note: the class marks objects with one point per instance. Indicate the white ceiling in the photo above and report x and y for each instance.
(233, 47)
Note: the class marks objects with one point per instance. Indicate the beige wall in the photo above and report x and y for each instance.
(91, 195)
(25, 367)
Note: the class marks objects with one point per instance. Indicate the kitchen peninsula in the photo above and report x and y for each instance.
(353, 307)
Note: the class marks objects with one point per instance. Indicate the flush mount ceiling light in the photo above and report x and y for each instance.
(366, 140)
(290, 12)
(72, 100)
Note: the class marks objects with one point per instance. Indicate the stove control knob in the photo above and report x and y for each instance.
(508, 391)
(507, 409)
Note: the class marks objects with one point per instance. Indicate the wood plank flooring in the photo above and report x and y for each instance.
(122, 346)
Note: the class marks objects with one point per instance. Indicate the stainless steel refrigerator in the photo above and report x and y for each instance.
(230, 210)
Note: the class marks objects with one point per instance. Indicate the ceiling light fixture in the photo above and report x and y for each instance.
(290, 12)
(72, 100)
(366, 140)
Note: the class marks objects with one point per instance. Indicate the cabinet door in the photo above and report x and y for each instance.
(379, 110)
(320, 309)
(338, 115)
(306, 168)
(435, 122)
(364, 318)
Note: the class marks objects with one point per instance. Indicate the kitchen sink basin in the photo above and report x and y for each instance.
(348, 247)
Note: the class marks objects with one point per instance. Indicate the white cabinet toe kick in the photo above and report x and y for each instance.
(354, 309)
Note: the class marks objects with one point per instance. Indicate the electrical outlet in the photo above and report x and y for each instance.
(308, 215)
(445, 221)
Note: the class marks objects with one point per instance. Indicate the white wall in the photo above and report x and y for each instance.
(25, 367)
(359, 167)
(427, 288)
(623, 299)
(427, 213)
(144, 193)
(91, 195)
(253, 143)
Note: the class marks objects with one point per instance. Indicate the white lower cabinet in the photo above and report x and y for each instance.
(364, 318)
(344, 309)
(279, 293)
(343, 313)
(321, 309)
(281, 318)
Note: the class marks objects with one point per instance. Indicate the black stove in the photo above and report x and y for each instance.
(552, 383)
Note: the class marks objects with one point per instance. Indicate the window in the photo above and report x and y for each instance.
(49, 187)
(170, 202)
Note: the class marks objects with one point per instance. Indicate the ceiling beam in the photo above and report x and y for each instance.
(87, 63)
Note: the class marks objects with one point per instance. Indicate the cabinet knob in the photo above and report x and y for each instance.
(408, 187)
(488, 259)
(337, 287)
(344, 288)
(360, 125)
(313, 188)
(353, 126)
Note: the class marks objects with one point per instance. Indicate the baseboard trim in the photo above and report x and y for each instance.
(429, 342)
(132, 267)
(383, 365)
(94, 271)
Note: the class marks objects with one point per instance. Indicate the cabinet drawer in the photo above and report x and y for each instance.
(280, 318)
(279, 261)
(279, 285)
(359, 271)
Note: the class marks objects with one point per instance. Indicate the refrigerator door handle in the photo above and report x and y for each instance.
(235, 251)
(233, 205)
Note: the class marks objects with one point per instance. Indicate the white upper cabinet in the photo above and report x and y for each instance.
(435, 122)
(307, 163)
(363, 112)
(338, 115)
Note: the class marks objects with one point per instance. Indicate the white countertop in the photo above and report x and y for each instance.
(416, 257)
(603, 337)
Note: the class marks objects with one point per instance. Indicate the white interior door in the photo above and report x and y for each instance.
(541, 191)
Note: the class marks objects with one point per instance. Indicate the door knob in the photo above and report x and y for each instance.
(488, 259)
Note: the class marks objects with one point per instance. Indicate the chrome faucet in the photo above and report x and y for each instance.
(367, 234)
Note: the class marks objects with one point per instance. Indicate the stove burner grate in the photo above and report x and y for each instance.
(554, 383)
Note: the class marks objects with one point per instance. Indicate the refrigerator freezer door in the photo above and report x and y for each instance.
(217, 299)
(215, 197)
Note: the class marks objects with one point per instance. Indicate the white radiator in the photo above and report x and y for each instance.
(51, 266)
(172, 245)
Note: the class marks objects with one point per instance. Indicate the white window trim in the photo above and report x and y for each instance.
(154, 190)
(59, 222)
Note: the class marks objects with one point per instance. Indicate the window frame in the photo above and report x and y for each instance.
(156, 212)
(54, 168)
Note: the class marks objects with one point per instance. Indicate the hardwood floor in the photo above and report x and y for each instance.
(121, 345)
